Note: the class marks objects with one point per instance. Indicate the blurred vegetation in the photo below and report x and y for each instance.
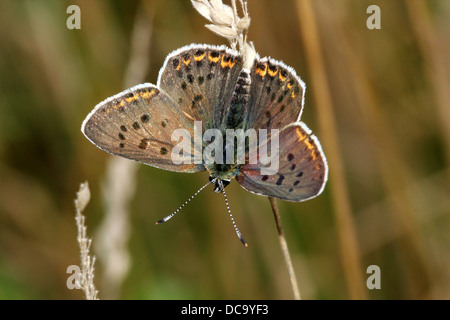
(390, 105)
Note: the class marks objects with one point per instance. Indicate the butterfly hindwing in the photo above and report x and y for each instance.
(302, 171)
(276, 95)
(201, 79)
(137, 124)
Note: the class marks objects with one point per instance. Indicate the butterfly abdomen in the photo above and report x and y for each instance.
(239, 100)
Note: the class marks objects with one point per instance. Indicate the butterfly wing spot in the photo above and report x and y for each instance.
(282, 75)
(163, 151)
(121, 136)
(136, 125)
(265, 177)
(227, 61)
(213, 57)
(272, 71)
(292, 96)
(309, 143)
(190, 78)
(186, 59)
(280, 180)
(290, 157)
(145, 118)
(146, 94)
(143, 144)
(176, 64)
(121, 145)
(183, 85)
(261, 69)
(199, 55)
(123, 128)
(197, 98)
(210, 76)
(163, 124)
(299, 174)
(201, 79)
(131, 98)
(290, 84)
(300, 135)
(296, 182)
(294, 93)
(293, 167)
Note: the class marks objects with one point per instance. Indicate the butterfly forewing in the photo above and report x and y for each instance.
(137, 124)
(276, 95)
(201, 79)
(302, 172)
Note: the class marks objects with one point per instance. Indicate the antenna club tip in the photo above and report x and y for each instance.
(245, 245)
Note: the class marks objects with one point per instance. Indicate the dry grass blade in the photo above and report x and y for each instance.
(85, 281)
(285, 249)
(346, 226)
(120, 180)
(430, 43)
(394, 174)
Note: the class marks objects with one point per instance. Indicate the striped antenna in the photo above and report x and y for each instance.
(189, 200)
(232, 220)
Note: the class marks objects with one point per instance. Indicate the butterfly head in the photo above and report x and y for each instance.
(219, 185)
(222, 171)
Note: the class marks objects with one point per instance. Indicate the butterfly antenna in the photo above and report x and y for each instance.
(178, 210)
(232, 220)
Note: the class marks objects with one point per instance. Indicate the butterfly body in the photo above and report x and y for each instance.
(235, 119)
(208, 84)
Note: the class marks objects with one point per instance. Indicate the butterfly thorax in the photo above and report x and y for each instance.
(235, 118)
(223, 171)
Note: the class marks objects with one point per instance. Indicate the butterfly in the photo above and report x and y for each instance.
(209, 84)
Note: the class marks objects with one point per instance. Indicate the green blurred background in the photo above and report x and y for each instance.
(384, 126)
